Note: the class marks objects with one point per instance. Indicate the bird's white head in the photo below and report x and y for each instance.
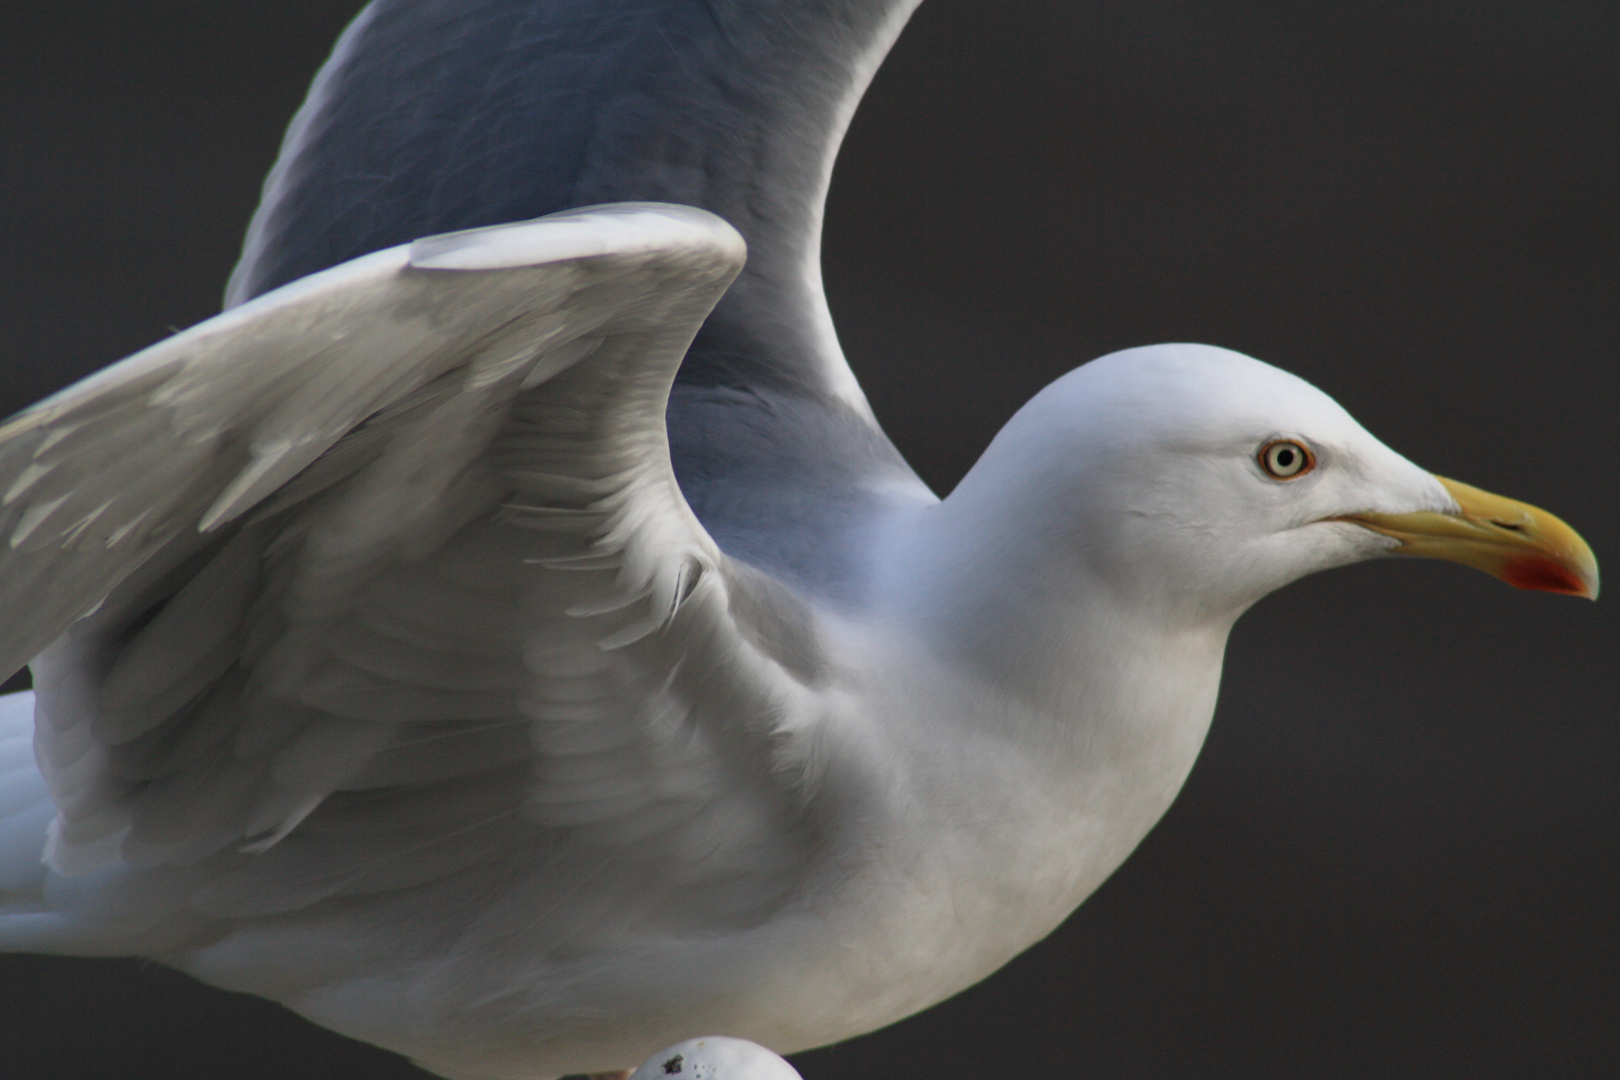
(1191, 481)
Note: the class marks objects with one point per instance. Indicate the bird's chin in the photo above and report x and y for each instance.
(1282, 559)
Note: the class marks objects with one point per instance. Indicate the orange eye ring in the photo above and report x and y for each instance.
(1286, 459)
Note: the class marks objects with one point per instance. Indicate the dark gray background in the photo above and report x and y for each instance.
(1397, 857)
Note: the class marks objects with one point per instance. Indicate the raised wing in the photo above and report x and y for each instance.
(433, 115)
(448, 114)
(385, 576)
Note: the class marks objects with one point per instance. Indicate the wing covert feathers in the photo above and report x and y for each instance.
(385, 576)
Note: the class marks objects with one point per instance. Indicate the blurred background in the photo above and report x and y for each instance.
(1398, 854)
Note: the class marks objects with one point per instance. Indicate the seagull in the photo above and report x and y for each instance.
(506, 636)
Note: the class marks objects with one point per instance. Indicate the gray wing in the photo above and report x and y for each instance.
(435, 115)
(385, 576)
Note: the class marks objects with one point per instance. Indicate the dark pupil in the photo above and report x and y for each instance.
(1285, 458)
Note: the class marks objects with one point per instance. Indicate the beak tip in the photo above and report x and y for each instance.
(1543, 574)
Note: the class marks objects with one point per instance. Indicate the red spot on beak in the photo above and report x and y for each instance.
(1542, 574)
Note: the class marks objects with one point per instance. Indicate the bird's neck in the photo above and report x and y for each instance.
(1079, 662)
(1080, 714)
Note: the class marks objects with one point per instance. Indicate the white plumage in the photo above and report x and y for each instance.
(384, 670)
(715, 1058)
(421, 702)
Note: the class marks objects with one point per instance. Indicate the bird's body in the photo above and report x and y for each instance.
(415, 647)
(934, 811)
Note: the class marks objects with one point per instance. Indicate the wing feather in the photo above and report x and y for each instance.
(385, 575)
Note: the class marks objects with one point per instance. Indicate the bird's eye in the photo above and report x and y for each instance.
(1284, 459)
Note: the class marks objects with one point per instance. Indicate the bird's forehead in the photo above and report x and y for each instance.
(1198, 395)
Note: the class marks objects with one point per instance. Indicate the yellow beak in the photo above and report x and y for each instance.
(1525, 547)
